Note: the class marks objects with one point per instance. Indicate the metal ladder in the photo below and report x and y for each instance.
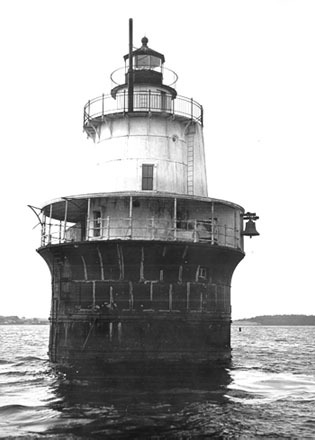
(190, 164)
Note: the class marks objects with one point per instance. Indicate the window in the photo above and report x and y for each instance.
(146, 61)
(96, 223)
(147, 177)
(202, 272)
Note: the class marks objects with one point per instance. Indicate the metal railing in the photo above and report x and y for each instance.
(144, 101)
(119, 76)
(109, 228)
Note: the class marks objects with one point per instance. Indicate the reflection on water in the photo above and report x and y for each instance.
(268, 391)
(129, 406)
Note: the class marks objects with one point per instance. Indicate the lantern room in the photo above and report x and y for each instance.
(147, 66)
(145, 58)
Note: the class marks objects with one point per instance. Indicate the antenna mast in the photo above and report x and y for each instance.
(130, 71)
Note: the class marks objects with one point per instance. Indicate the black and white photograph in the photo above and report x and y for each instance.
(157, 210)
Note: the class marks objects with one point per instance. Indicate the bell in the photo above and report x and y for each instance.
(250, 229)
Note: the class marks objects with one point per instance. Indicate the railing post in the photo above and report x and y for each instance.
(149, 100)
(175, 218)
(84, 115)
(60, 231)
(101, 224)
(88, 220)
(191, 108)
(108, 228)
(65, 220)
(130, 214)
(195, 231)
(152, 229)
(212, 223)
(130, 227)
(43, 237)
(124, 101)
(49, 226)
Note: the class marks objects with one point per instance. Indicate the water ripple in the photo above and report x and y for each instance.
(268, 392)
(252, 386)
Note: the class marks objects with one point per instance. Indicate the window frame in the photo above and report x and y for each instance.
(147, 177)
(97, 223)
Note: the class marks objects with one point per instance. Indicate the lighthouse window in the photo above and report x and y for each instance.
(202, 272)
(146, 62)
(96, 223)
(147, 177)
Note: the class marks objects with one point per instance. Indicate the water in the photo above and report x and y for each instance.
(267, 392)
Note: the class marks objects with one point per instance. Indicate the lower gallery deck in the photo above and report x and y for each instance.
(117, 301)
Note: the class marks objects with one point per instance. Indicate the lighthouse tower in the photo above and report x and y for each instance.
(148, 138)
(141, 270)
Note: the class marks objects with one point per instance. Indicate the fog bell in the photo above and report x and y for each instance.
(250, 229)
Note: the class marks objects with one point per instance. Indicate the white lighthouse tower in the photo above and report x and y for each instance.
(154, 142)
(141, 270)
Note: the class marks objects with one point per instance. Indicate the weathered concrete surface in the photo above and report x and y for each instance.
(140, 301)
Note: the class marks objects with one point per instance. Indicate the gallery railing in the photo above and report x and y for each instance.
(143, 101)
(142, 229)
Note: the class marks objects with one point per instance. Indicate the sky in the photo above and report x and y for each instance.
(250, 63)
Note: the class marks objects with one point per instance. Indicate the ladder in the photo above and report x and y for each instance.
(190, 164)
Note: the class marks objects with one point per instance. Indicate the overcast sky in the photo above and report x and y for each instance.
(249, 63)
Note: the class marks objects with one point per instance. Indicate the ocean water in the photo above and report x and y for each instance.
(268, 392)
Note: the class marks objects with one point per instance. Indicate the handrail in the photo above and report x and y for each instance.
(192, 230)
(144, 101)
(118, 76)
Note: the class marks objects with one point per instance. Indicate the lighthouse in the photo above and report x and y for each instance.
(141, 269)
